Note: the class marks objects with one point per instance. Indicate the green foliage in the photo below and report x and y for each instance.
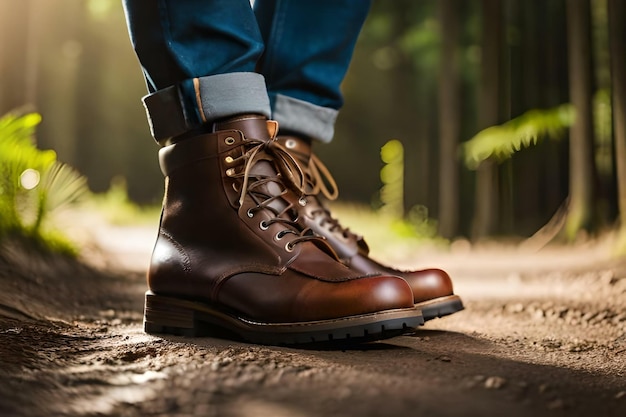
(502, 141)
(100, 9)
(392, 177)
(416, 224)
(32, 183)
(421, 42)
(391, 238)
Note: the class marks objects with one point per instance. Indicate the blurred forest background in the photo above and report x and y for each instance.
(431, 74)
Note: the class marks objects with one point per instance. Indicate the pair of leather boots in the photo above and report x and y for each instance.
(246, 249)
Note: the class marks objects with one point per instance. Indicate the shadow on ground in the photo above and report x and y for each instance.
(71, 343)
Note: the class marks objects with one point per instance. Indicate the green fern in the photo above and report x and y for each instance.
(502, 141)
(32, 183)
(60, 185)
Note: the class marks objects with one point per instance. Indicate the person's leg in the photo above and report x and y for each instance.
(304, 65)
(309, 46)
(199, 59)
(230, 253)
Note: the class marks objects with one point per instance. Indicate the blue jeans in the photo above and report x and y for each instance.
(205, 60)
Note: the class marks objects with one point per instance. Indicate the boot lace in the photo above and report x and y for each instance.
(256, 186)
(317, 179)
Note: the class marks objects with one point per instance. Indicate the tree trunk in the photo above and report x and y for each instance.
(617, 47)
(486, 204)
(60, 58)
(582, 172)
(14, 31)
(527, 90)
(449, 118)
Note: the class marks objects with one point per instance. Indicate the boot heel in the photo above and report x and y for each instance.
(168, 315)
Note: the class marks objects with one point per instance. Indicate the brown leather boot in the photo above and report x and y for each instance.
(231, 257)
(432, 288)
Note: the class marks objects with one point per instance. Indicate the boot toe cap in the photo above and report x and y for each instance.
(429, 283)
(294, 298)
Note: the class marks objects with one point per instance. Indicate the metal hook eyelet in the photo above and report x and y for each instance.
(302, 201)
(229, 140)
(289, 247)
(263, 225)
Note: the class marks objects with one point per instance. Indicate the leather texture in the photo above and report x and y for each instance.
(426, 284)
(229, 235)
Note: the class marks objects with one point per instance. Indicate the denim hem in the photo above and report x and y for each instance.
(173, 111)
(224, 95)
(302, 117)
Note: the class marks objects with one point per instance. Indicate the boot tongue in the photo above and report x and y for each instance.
(297, 147)
(253, 126)
(256, 127)
(318, 178)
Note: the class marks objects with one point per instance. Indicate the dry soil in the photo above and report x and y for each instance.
(543, 334)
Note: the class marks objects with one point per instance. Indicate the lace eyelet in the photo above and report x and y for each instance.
(290, 144)
(229, 140)
(230, 172)
(263, 225)
(289, 247)
(229, 159)
(250, 213)
(302, 201)
(280, 235)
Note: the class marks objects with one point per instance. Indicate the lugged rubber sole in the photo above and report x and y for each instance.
(181, 317)
(440, 307)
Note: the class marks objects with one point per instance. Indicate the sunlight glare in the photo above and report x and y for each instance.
(30, 179)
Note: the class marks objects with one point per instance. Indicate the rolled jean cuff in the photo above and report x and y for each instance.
(302, 117)
(175, 110)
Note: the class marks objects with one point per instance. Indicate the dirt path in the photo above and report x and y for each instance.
(544, 334)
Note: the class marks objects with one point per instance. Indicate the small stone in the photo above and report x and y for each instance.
(494, 382)
(618, 318)
(608, 277)
(516, 308)
(556, 404)
(601, 316)
(474, 381)
(12, 330)
(522, 385)
(109, 314)
(588, 316)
